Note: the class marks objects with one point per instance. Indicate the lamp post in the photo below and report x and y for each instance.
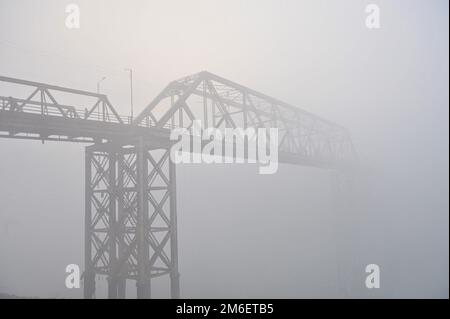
(98, 84)
(131, 93)
(98, 92)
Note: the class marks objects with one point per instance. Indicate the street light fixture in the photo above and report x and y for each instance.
(131, 93)
(98, 84)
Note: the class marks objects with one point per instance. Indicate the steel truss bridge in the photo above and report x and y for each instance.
(130, 183)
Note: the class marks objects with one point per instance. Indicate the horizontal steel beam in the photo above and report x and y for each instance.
(50, 87)
(49, 127)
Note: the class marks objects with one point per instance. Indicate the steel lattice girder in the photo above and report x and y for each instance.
(221, 103)
(42, 101)
(130, 218)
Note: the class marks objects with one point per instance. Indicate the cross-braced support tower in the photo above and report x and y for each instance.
(130, 218)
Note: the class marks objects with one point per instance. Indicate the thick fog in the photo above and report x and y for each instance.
(242, 234)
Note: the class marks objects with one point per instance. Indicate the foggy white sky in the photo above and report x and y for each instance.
(388, 86)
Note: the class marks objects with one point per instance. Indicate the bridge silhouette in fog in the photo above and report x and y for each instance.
(130, 182)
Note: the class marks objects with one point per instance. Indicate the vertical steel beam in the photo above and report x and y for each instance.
(89, 274)
(174, 274)
(121, 280)
(112, 231)
(143, 278)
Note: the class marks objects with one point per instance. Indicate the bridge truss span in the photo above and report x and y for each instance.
(304, 138)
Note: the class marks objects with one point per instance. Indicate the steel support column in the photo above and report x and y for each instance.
(130, 218)
(174, 274)
(112, 231)
(89, 273)
(122, 214)
(143, 278)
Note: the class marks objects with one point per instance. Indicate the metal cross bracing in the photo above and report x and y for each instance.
(130, 183)
(130, 218)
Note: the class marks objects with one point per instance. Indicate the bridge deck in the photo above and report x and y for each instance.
(52, 128)
(18, 125)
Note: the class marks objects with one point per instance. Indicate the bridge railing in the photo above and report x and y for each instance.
(48, 109)
(12, 104)
(42, 101)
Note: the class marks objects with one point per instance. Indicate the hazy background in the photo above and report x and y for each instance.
(242, 234)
